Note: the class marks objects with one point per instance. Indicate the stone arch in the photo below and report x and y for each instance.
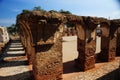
(45, 31)
(28, 43)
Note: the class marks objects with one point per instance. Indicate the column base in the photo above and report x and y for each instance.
(86, 64)
(118, 51)
(104, 56)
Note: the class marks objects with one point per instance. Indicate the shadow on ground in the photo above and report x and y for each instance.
(68, 67)
(21, 76)
(114, 75)
(13, 63)
(14, 55)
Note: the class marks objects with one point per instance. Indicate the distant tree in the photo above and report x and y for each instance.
(38, 8)
(65, 12)
(25, 11)
(68, 24)
(53, 11)
(13, 29)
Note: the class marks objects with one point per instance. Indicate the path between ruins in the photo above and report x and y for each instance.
(13, 63)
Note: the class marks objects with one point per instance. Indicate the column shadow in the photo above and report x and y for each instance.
(22, 76)
(68, 67)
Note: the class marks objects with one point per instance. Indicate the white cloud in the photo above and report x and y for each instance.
(15, 10)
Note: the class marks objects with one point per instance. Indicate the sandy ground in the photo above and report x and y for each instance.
(70, 48)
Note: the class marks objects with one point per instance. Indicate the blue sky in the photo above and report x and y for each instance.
(100, 8)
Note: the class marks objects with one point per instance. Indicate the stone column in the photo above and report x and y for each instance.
(113, 42)
(117, 24)
(118, 42)
(105, 54)
(86, 48)
(48, 58)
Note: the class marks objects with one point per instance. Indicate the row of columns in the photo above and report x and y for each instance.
(86, 43)
(41, 35)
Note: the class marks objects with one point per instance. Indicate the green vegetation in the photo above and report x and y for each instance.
(25, 11)
(64, 12)
(13, 29)
(38, 8)
(68, 24)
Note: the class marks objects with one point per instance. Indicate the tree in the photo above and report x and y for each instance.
(65, 12)
(68, 24)
(13, 29)
(53, 11)
(25, 11)
(38, 8)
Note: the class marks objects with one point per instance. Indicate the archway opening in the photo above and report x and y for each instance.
(69, 50)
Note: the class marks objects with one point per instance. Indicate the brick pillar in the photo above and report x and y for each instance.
(104, 55)
(86, 49)
(113, 42)
(48, 58)
(118, 42)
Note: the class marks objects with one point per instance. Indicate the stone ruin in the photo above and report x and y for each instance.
(41, 34)
(4, 38)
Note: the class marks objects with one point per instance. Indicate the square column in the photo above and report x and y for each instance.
(86, 48)
(118, 42)
(47, 63)
(108, 42)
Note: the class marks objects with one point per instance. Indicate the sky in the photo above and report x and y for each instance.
(9, 9)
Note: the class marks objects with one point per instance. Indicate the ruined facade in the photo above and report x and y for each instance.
(41, 34)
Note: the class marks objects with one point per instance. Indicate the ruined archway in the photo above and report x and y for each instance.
(45, 30)
(26, 39)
